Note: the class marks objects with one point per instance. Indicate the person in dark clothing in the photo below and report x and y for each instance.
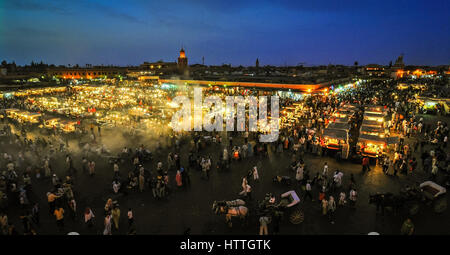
(26, 222)
(35, 214)
(276, 219)
(427, 164)
(423, 156)
(185, 177)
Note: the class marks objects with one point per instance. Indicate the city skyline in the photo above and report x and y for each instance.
(279, 34)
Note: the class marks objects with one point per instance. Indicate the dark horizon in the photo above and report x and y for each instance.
(285, 33)
(232, 66)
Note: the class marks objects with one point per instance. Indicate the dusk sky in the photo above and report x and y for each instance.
(231, 31)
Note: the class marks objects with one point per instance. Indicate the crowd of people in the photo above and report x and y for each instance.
(29, 158)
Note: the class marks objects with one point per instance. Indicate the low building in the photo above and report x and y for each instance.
(86, 73)
(374, 70)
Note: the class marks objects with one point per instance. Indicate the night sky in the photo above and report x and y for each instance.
(282, 32)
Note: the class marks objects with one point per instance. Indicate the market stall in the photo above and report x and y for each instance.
(372, 130)
(371, 146)
(334, 139)
(374, 116)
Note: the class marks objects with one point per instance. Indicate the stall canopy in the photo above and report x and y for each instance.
(335, 134)
(339, 125)
(374, 108)
(372, 123)
(371, 129)
(371, 139)
(373, 115)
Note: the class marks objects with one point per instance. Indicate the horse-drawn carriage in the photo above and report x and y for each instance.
(288, 204)
(410, 198)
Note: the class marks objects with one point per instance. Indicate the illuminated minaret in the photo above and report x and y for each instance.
(182, 60)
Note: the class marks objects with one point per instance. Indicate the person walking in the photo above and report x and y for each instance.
(141, 182)
(130, 217)
(4, 223)
(185, 178)
(107, 223)
(263, 221)
(352, 197)
(324, 206)
(89, 217)
(321, 195)
(365, 164)
(91, 167)
(325, 169)
(331, 209)
(255, 174)
(116, 169)
(407, 227)
(178, 179)
(299, 174)
(116, 216)
(59, 214)
(47, 168)
(35, 214)
(51, 198)
(308, 191)
(342, 200)
(249, 192)
(73, 208)
(108, 206)
(434, 171)
(85, 167)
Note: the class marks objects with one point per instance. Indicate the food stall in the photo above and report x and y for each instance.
(371, 146)
(430, 105)
(372, 130)
(375, 109)
(339, 125)
(334, 139)
(344, 113)
(373, 123)
(374, 116)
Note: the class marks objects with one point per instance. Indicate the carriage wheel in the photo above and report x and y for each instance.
(440, 205)
(296, 217)
(414, 209)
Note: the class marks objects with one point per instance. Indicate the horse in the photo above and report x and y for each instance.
(236, 211)
(387, 200)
